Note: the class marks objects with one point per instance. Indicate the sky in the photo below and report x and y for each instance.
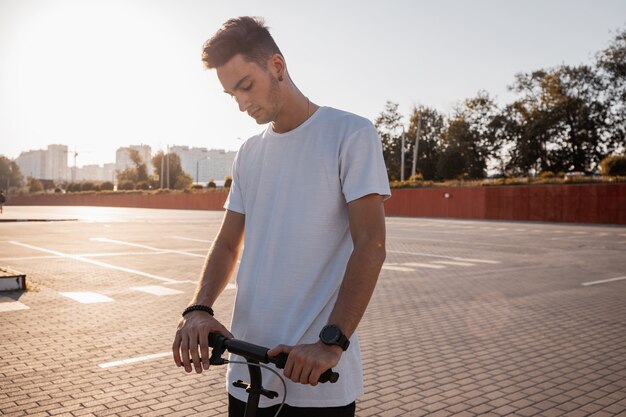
(99, 75)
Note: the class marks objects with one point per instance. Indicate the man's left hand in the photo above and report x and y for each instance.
(307, 362)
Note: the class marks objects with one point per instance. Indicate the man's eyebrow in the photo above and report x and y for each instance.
(238, 84)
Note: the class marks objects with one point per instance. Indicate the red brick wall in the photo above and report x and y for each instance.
(584, 203)
(205, 201)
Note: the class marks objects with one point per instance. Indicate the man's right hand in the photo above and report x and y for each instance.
(192, 340)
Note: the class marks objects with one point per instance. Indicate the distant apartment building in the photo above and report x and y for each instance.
(89, 173)
(205, 165)
(56, 168)
(50, 164)
(123, 161)
(96, 173)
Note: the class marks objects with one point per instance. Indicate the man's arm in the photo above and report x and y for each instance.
(193, 329)
(367, 227)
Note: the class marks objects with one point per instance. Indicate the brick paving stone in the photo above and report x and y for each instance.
(559, 348)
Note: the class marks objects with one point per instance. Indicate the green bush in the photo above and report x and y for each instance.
(89, 186)
(197, 187)
(613, 166)
(211, 184)
(126, 185)
(107, 186)
(546, 174)
(228, 182)
(34, 185)
(142, 185)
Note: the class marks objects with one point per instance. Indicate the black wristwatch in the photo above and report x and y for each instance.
(332, 335)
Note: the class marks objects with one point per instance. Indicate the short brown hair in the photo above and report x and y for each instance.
(241, 35)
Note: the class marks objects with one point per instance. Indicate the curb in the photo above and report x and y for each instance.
(37, 220)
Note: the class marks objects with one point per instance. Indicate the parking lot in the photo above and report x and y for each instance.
(470, 318)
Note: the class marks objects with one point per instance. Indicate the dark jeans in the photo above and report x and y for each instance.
(237, 408)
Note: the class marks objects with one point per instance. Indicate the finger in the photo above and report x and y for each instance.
(204, 350)
(279, 349)
(296, 368)
(305, 374)
(193, 350)
(176, 349)
(224, 332)
(314, 377)
(184, 351)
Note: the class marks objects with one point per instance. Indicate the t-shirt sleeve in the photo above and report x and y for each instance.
(361, 166)
(234, 202)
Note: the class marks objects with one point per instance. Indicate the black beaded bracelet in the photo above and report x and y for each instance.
(198, 307)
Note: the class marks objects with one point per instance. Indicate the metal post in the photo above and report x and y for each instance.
(402, 157)
(167, 163)
(417, 144)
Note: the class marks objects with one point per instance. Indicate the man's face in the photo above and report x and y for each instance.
(255, 89)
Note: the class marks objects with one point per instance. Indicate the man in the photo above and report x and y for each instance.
(308, 191)
(3, 200)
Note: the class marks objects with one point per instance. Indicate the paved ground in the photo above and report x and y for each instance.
(470, 318)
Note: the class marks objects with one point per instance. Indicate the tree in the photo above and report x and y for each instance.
(431, 125)
(471, 139)
(34, 185)
(561, 120)
(135, 174)
(170, 163)
(611, 66)
(10, 174)
(389, 127)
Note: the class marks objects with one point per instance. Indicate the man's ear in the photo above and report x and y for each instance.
(276, 64)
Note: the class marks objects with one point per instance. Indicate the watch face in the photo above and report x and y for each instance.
(331, 334)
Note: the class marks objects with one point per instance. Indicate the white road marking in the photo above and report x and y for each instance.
(480, 261)
(191, 239)
(463, 242)
(398, 268)
(602, 281)
(420, 265)
(28, 258)
(9, 304)
(454, 258)
(135, 360)
(137, 245)
(87, 297)
(453, 263)
(93, 262)
(157, 290)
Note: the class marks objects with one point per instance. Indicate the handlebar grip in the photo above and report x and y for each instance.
(327, 376)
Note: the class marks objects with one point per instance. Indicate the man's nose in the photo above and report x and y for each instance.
(242, 102)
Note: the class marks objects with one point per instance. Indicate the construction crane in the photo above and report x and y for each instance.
(73, 168)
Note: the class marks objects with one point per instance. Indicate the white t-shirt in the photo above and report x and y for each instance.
(293, 189)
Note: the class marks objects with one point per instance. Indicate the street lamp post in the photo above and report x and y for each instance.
(402, 157)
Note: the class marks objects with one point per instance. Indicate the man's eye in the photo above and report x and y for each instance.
(247, 88)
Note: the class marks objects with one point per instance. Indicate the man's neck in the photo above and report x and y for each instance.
(296, 110)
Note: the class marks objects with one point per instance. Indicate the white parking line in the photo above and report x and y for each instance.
(157, 290)
(420, 265)
(602, 281)
(137, 245)
(87, 297)
(9, 304)
(463, 242)
(93, 262)
(398, 268)
(134, 360)
(454, 258)
(453, 263)
(191, 239)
